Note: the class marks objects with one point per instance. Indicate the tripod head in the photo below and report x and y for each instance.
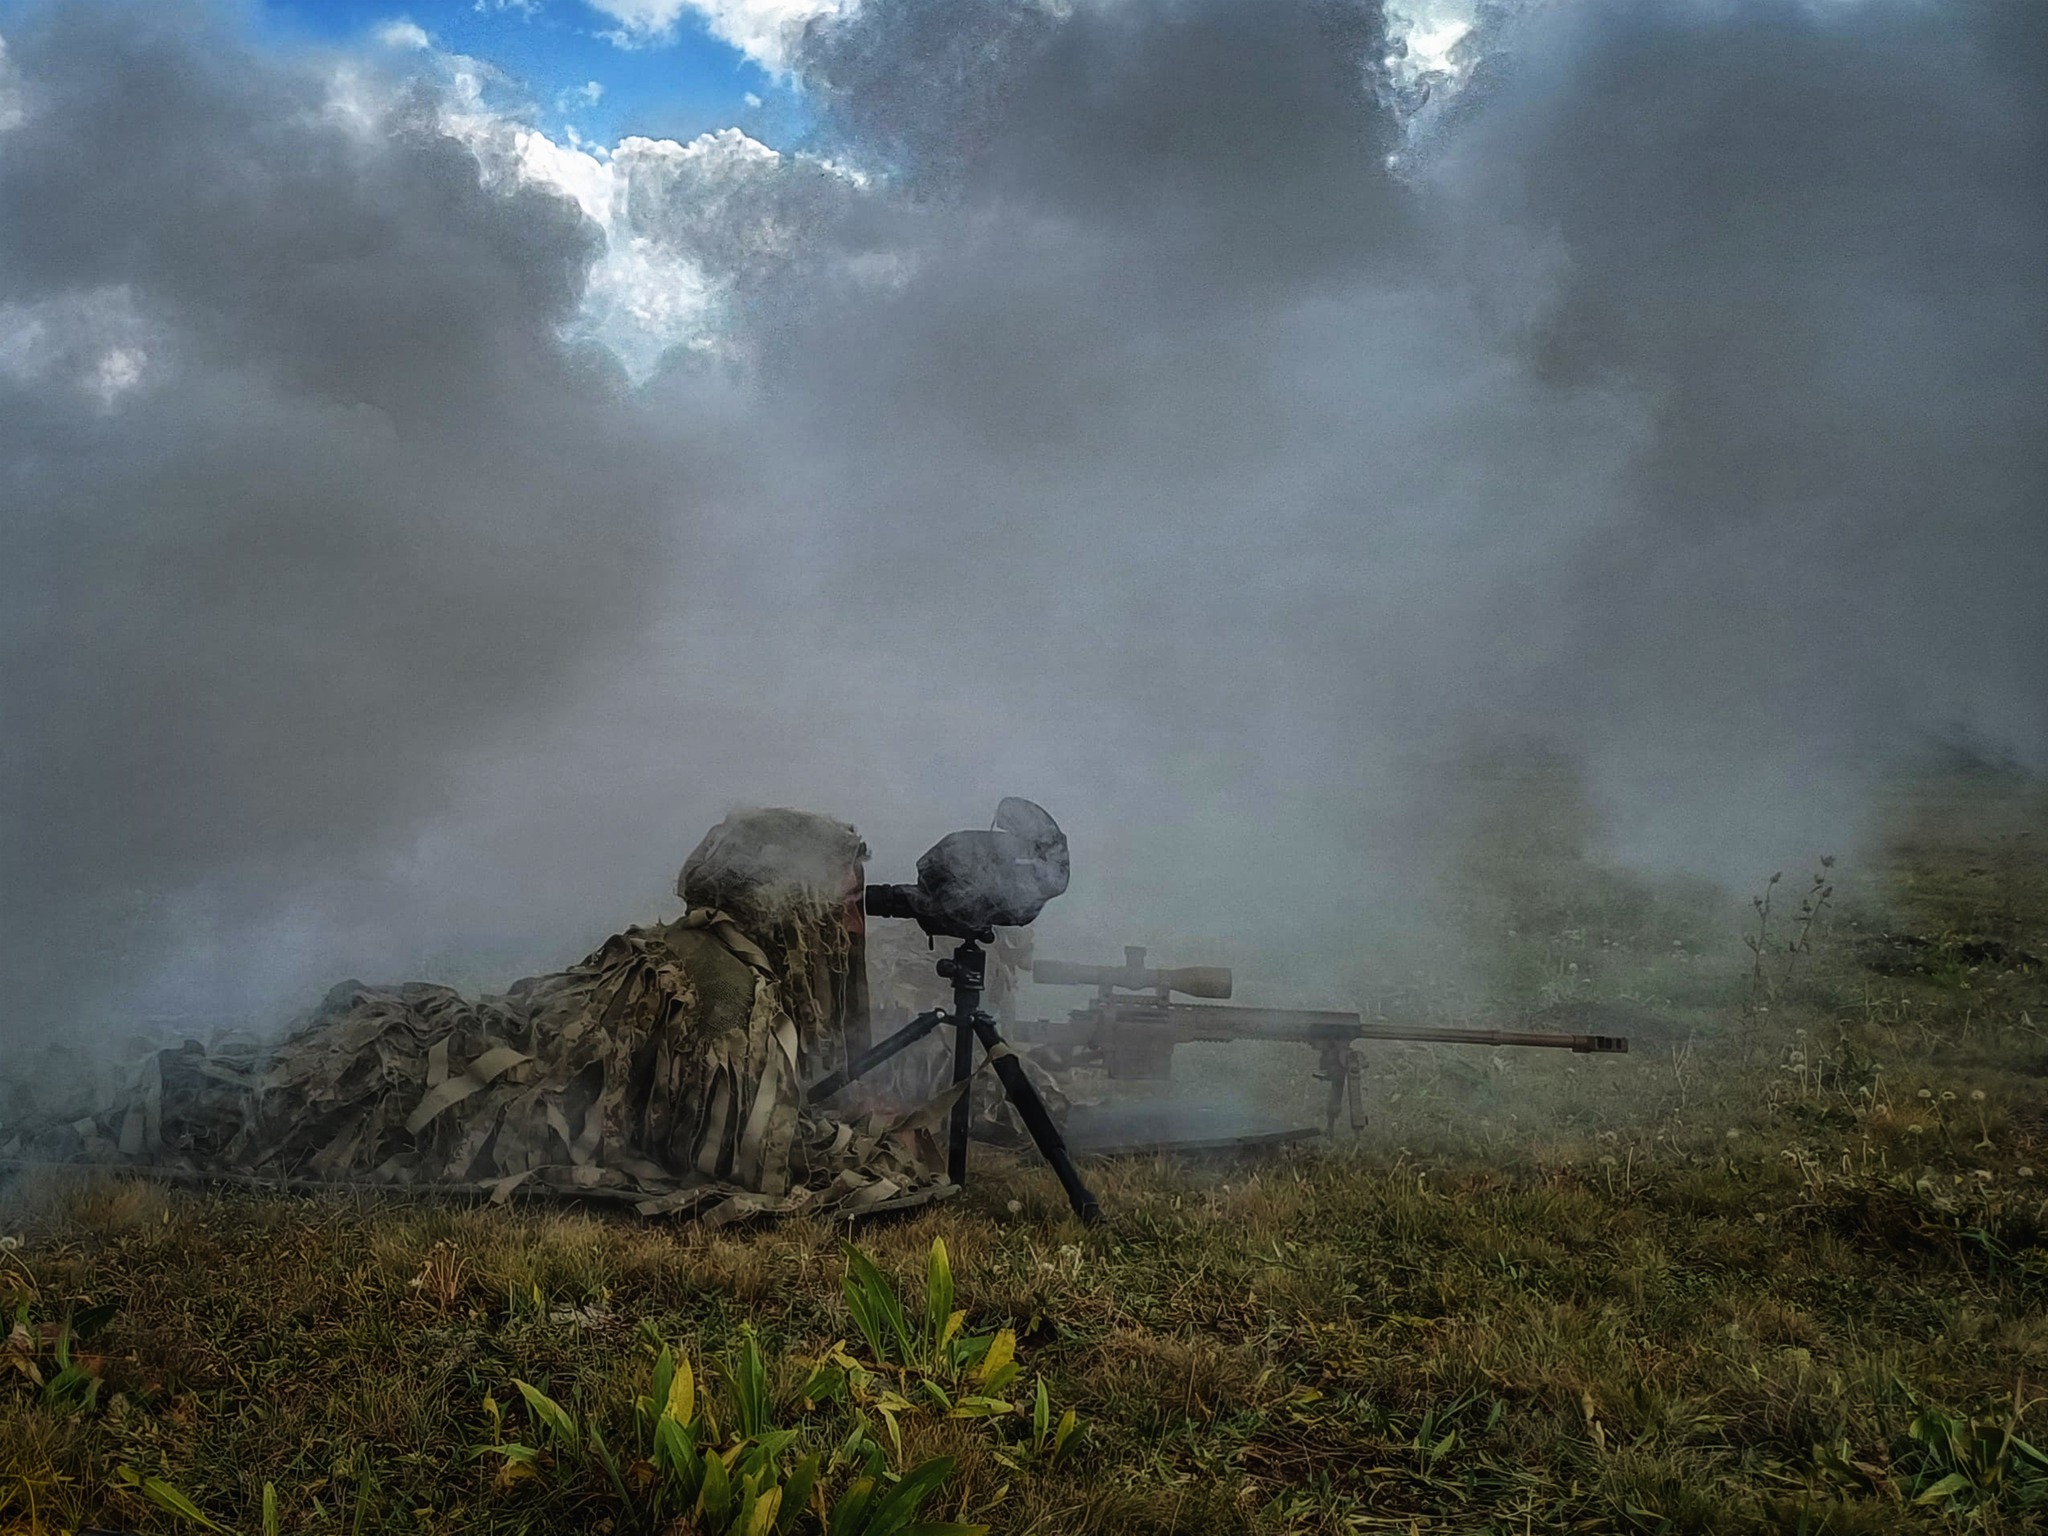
(966, 968)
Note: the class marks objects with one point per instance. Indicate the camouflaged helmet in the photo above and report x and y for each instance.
(770, 862)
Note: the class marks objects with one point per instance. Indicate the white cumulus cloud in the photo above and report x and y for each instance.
(12, 111)
(763, 30)
(402, 33)
(91, 339)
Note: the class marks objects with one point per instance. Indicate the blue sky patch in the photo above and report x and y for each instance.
(556, 49)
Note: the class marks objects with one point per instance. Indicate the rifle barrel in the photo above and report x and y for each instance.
(1189, 1022)
(1582, 1044)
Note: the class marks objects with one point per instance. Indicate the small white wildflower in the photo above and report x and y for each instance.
(2023, 1172)
(1976, 1095)
(1015, 1207)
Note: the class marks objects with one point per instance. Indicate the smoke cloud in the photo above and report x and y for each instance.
(1139, 406)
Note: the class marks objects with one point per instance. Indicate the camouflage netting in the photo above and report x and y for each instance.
(664, 1070)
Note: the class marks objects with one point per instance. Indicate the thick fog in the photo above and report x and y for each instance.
(1170, 411)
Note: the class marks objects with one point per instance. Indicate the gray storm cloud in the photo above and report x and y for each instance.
(300, 499)
(1162, 432)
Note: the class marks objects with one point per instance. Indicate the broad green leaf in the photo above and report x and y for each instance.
(1953, 1484)
(1069, 1432)
(664, 1378)
(552, 1414)
(796, 1493)
(827, 1383)
(164, 1496)
(974, 1406)
(761, 1521)
(270, 1525)
(714, 1499)
(679, 1402)
(675, 1453)
(1002, 1351)
(849, 1514)
(88, 1321)
(900, 1505)
(1041, 1418)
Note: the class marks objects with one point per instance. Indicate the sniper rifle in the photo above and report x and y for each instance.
(1134, 1035)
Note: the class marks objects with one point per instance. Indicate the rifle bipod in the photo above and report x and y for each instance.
(966, 969)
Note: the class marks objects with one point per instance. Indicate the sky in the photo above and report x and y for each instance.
(666, 77)
(606, 69)
(426, 504)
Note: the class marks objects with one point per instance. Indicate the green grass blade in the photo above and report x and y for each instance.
(610, 1463)
(938, 1301)
(877, 1310)
(753, 1404)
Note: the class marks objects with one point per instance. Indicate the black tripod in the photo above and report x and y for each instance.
(968, 1019)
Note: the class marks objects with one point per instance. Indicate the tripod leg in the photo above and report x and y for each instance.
(873, 1057)
(1354, 1089)
(1051, 1145)
(1333, 1071)
(963, 1068)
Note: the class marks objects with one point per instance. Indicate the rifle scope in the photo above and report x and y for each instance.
(1134, 976)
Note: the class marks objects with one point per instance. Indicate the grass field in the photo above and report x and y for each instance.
(1783, 1268)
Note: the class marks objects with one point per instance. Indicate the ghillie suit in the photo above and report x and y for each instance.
(665, 1070)
(902, 981)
